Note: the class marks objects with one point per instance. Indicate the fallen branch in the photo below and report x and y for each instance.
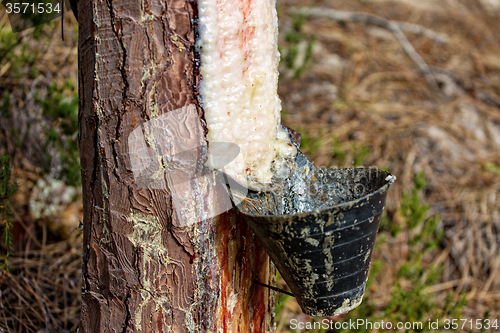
(417, 29)
(396, 27)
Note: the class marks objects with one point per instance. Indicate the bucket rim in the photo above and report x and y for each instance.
(389, 179)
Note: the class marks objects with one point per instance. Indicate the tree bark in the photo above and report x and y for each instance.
(145, 269)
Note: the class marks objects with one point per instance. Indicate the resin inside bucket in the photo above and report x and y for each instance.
(311, 188)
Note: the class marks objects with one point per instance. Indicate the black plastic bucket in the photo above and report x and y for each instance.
(320, 231)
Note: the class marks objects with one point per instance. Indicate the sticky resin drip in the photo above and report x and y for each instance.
(239, 68)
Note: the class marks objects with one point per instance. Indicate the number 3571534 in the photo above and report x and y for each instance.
(31, 8)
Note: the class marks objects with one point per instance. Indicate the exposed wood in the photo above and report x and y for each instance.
(144, 268)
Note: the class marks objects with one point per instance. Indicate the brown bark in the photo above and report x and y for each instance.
(145, 269)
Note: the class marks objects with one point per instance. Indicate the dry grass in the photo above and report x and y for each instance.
(361, 88)
(42, 291)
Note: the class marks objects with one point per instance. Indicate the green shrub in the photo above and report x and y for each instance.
(7, 190)
(357, 153)
(60, 106)
(291, 51)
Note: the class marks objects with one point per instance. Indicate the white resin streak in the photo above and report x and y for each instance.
(239, 68)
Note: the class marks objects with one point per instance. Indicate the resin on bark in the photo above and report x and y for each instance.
(239, 69)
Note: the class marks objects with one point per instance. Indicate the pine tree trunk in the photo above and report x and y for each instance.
(144, 268)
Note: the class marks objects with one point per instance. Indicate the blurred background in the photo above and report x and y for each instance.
(412, 87)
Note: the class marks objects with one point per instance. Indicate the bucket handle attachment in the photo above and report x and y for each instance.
(274, 288)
